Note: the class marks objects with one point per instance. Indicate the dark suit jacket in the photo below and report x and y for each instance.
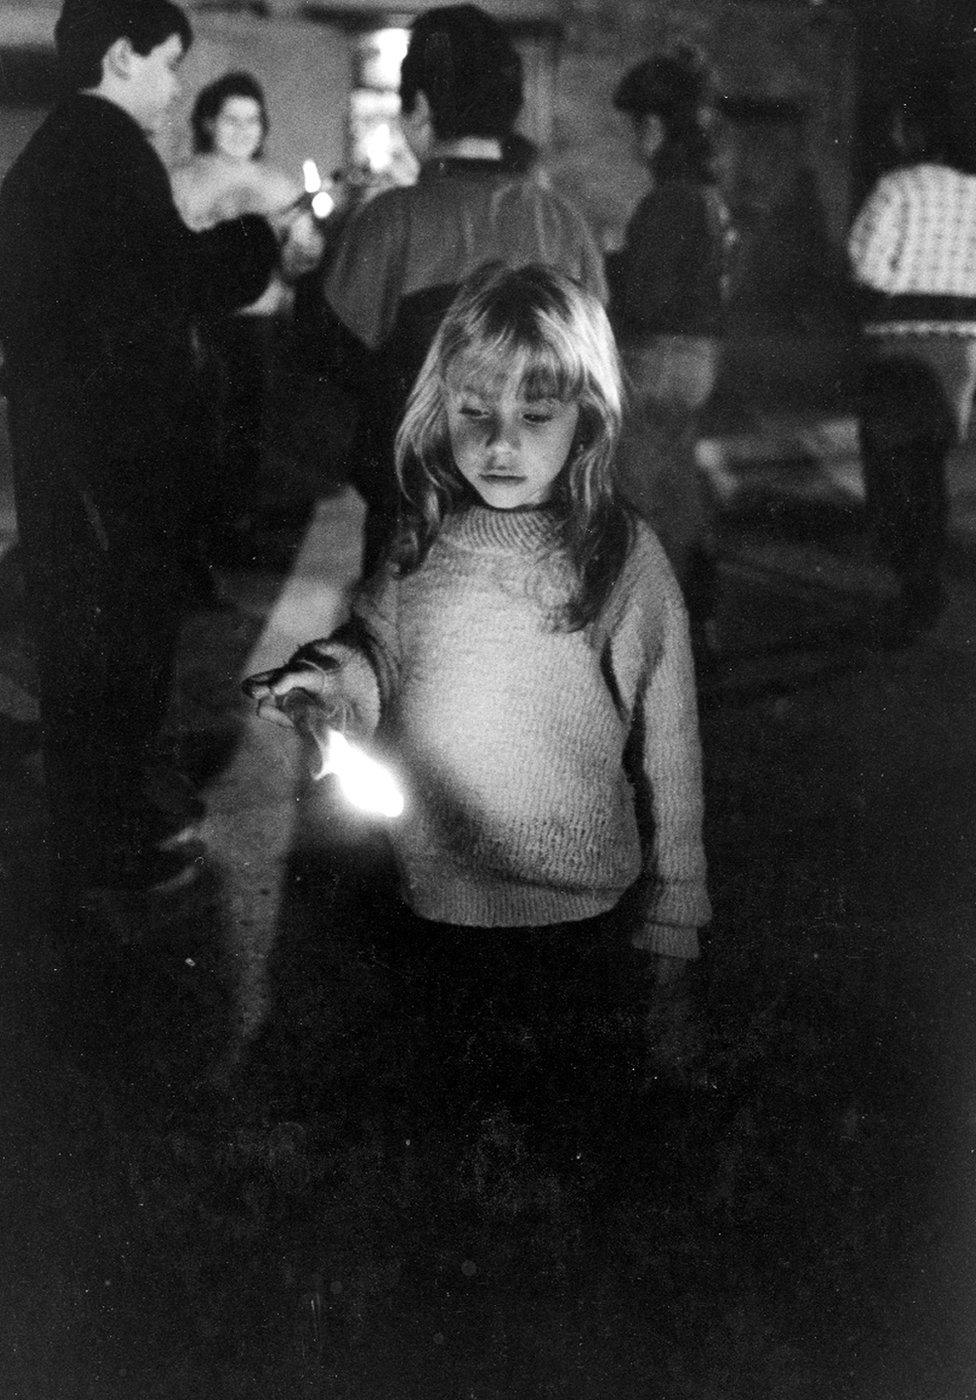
(101, 286)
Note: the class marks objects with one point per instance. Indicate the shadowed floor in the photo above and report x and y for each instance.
(246, 1159)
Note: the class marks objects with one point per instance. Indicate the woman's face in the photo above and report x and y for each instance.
(238, 130)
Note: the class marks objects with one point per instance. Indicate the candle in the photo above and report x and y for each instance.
(316, 195)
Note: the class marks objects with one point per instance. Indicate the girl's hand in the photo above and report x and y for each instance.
(272, 689)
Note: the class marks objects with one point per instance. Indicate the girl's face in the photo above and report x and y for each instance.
(508, 447)
(238, 129)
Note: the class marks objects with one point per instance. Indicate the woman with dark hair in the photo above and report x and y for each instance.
(668, 285)
(228, 175)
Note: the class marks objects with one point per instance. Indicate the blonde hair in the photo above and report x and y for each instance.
(537, 324)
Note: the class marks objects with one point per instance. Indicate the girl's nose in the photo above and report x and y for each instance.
(502, 432)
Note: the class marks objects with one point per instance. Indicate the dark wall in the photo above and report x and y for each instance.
(901, 42)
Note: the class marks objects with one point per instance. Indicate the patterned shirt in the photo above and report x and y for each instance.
(914, 243)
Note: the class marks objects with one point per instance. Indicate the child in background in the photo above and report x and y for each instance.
(524, 652)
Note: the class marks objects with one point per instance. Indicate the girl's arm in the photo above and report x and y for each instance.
(350, 674)
(674, 899)
(327, 675)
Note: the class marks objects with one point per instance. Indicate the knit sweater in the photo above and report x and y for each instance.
(913, 244)
(547, 771)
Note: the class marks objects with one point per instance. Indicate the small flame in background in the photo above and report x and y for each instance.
(362, 781)
(322, 201)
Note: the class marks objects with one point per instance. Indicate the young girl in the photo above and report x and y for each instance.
(525, 651)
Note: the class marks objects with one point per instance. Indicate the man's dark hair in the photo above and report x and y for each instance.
(466, 66)
(87, 29)
(210, 102)
(925, 126)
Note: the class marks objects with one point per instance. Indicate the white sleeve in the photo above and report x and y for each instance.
(877, 237)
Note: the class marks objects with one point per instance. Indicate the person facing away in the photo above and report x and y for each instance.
(101, 284)
(668, 285)
(523, 649)
(401, 257)
(912, 250)
(229, 175)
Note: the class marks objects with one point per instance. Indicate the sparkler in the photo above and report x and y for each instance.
(363, 782)
(316, 195)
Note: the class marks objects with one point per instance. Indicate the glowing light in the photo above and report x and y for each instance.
(387, 48)
(362, 781)
(311, 176)
(322, 204)
(378, 147)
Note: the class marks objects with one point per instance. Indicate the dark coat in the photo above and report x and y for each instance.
(668, 277)
(101, 285)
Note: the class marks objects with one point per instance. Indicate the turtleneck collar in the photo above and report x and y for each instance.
(480, 527)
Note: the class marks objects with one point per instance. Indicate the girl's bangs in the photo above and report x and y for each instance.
(541, 369)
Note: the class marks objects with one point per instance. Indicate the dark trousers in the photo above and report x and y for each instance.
(374, 476)
(245, 346)
(542, 1019)
(105, 592)
(907, 429)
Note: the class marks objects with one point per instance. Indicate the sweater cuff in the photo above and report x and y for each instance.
(321, 654)
(355, 679)
(670, 939)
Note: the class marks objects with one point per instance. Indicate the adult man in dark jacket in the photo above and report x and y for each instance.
(110, 418)
(400, 259)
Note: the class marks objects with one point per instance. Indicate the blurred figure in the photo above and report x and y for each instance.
(402, 256)
(913, 250)
(229, 176)
(522, 156)
(101, 284)
(668, 286)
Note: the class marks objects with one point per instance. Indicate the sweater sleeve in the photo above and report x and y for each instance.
(877, 236)
(375, 621)
(216, 271)
(363, 653)
(673, 898)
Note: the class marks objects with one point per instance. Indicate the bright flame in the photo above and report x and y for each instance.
(322, 204)
(311, 176)
(378, 146)
(389, 50)
(362, 781)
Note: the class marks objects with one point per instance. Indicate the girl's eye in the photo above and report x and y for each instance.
(537, 415)
(470, 410)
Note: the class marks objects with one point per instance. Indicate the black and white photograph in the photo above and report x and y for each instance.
(488, 700)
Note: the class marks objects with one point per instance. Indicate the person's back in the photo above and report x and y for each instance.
(916, 235)
(668, 282)
(402, 257)
(912, 250)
